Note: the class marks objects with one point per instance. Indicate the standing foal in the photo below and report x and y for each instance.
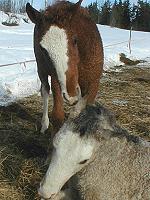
(68, 47)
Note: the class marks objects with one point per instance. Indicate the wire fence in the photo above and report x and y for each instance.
(128, 42)
(18, 63)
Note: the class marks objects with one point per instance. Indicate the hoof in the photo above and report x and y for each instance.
(45, 125)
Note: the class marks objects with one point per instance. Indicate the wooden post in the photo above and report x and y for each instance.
(130, 39)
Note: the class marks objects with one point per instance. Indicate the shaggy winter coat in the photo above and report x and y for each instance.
(120, 169)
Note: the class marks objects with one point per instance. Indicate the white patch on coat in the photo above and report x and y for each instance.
(56, 43)
(71, 149)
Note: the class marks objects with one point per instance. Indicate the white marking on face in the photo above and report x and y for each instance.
(56, 43)
(71, 150)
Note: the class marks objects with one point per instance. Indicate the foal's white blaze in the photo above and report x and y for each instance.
(70, 150)
(56, 43)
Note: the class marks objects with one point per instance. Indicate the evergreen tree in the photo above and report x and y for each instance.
(114, 15)
(126, 15)
(117, 14)
(94, 11)
(105, 13)
(141, 20)
(122, 15)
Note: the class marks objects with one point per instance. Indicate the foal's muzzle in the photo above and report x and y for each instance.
(43, 197)
(72, 100)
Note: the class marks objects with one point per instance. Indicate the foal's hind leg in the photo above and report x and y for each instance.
(58, 114)
(45, 119)
(92, 92)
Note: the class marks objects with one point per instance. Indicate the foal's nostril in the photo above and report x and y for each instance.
(42, 195)
(74, 103)
(64, 96)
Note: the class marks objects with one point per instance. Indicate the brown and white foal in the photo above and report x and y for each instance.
(68, 47)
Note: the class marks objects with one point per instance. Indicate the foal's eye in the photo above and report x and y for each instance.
(74, 40)
(83, 162)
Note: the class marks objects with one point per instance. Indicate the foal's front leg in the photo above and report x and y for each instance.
(88, 99)
(45, 119)
(58, 114)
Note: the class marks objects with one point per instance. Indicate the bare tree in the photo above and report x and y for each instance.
(15, 6)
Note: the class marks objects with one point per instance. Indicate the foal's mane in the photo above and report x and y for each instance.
(63, 11)
(98, 118)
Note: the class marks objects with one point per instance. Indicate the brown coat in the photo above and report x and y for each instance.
(88, 55)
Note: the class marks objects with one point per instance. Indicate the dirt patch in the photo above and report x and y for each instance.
(23, 149)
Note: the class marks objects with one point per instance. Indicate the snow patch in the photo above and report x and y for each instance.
(116, 41)
(18, 83)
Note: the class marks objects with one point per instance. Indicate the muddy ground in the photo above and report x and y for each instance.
(23, 149)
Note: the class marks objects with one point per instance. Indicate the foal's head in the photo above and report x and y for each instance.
(55, 37)
(75, 146)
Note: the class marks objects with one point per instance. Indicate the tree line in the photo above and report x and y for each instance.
(119, 14)
(122, 14)
(19, 6)
(13, 6)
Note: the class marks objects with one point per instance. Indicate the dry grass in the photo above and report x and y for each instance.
(127, 94)
(23, 149)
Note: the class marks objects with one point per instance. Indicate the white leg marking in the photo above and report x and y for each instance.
(45, 119)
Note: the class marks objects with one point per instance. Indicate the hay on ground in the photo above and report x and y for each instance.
(23, 149)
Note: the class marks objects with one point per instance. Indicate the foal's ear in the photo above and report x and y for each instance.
(34, 15)
(76, 6)
(79, 3)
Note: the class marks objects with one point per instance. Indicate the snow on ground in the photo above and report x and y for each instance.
(116, 41)
(16, 45)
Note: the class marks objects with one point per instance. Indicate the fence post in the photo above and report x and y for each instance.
(130, 39)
